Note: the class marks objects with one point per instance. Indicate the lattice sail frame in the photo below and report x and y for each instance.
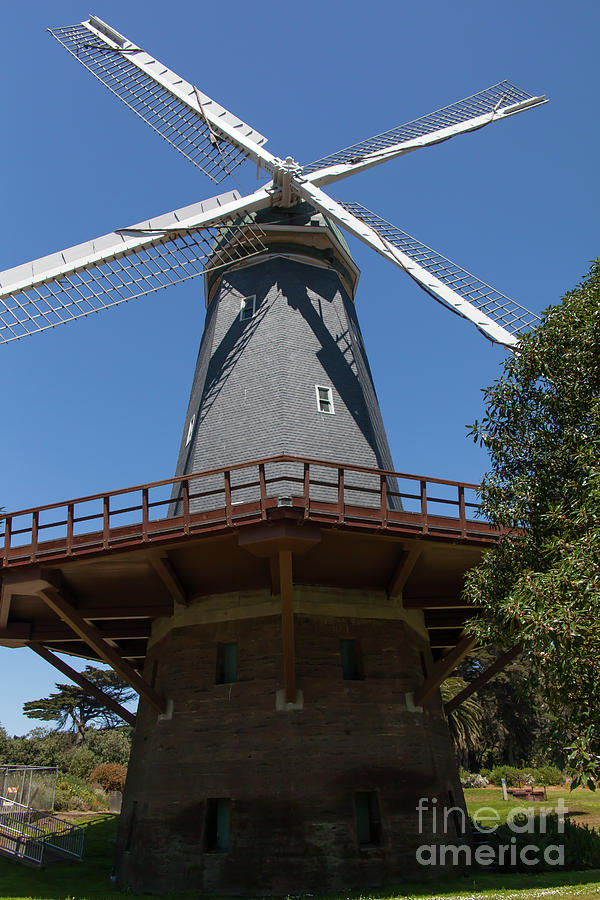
(135, 261)
(515, 318)
(175, 109)
(163, 253)
(496, 99)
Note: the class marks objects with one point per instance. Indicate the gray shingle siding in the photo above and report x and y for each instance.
(253, 393)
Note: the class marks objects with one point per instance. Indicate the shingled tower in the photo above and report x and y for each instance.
(282, 366)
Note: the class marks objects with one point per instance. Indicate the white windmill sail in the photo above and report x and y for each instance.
(470, 114)
(130, 262)
(495, 315)
(127, 263)
(208, 135)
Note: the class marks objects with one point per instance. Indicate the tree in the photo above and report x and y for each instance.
(540, 585)
(73, 709)
(516, 726)
(464, 722)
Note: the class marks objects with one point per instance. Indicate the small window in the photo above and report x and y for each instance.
(247, 307)
(352, 669)
(324, 399)
(131, 826)
(216, 826)
(190, 433)
(368, 818)
(227, 664)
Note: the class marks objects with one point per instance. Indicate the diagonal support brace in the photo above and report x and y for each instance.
(84, 683)
(442, 669)
(56, 601)
(482, 679)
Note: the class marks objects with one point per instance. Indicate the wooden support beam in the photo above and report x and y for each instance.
(56, 600)
(442, 670)
(154, 611)
(48, 632)
(5, 598)
(402, 572)
(286, 589)
(444, 638)
(167, 574)
(83, 682)
(274, 573)
(436, 603)
(482, 679)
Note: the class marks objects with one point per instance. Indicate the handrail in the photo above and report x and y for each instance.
(42, 829)
(219, 498)
(178, 479)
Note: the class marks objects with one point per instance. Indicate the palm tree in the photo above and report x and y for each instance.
(465, 722)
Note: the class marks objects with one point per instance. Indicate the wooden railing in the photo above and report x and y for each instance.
(333, 493)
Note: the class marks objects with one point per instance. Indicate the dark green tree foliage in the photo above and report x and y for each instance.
(516, 728)
(75, 710)
(541, 585)
(41, 747)
(465, 722)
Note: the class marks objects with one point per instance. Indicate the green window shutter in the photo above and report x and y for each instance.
(227, 664)
(363, 820)
(351, 660)
(217, 824)
(230, 663)
(223, 824)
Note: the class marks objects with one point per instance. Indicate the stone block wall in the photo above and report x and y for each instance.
(291, 776)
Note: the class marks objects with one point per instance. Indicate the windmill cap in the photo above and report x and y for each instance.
(294, 230)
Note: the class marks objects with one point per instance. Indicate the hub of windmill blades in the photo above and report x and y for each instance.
(139, 259)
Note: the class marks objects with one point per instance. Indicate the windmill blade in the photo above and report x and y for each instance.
(128, 263)
(495, 315)
(491, 105)
(208, 135)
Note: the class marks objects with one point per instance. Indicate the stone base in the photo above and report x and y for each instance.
(291, 776)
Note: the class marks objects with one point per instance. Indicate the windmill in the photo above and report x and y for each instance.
(286, 550)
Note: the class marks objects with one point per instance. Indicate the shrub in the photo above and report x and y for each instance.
(111, 776)
(73, 793)
(544, 775)
(511, 774)
(82, 762)
(111, 745)
(65, 801)
(548, 775)
(580, 842)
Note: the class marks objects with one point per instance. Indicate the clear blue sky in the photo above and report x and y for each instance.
(100, 404)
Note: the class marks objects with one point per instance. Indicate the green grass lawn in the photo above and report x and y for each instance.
(90, 880)
(583, 806)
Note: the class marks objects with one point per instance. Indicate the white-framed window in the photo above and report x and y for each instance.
(324, 399)
(247, 307)
(190, 433)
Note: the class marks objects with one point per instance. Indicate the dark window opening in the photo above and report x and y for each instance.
(131, 826)
(352, 667)
(217, 825)
(227, 664)
(368, 818)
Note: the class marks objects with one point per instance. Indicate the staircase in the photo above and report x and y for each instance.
(35, 837)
